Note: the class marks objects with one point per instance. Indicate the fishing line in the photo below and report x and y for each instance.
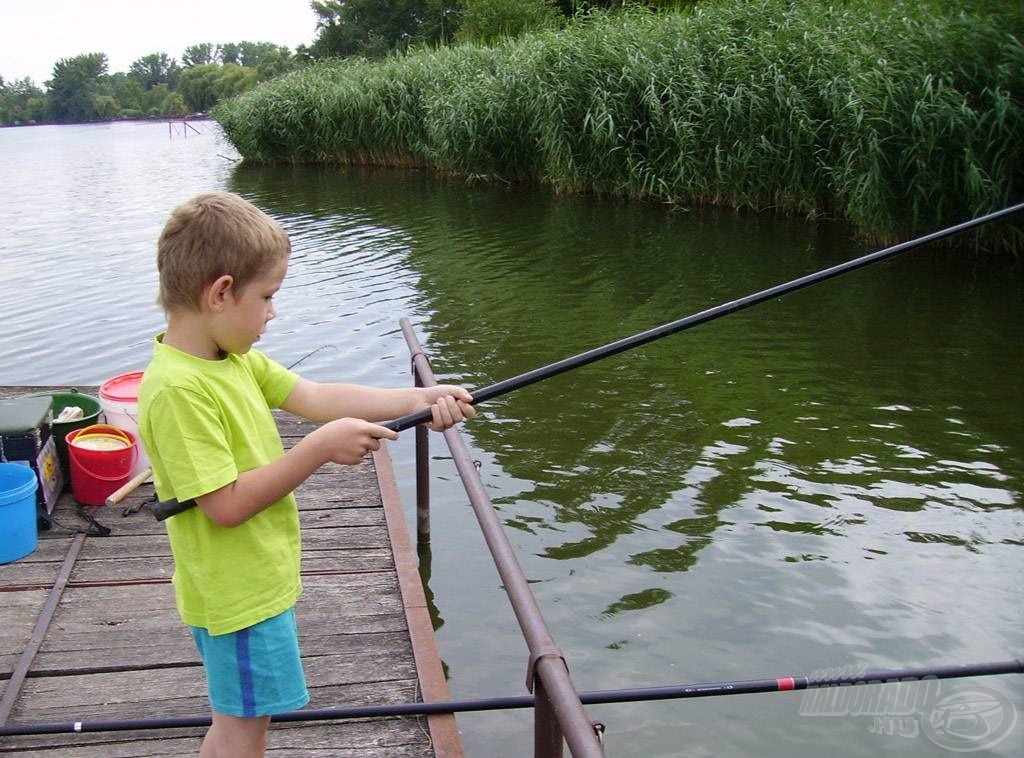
(314, 352)
(94, 528)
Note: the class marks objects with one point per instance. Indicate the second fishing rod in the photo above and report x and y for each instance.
(166, 509)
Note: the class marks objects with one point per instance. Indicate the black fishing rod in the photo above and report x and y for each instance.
(163, 510)
(676, 692)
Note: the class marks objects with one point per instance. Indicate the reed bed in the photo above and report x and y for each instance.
(899, 116)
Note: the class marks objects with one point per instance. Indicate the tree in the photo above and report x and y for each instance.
(106, 107)
(198, 86)
(75, 85)
(234, 80)
(276, 63)
(128, 92)
(153, 100)
(231, 53)
(252, 54)
(200, 55)
(439, 22)
(35, 109)
(21, 101)
(173, 105)
(82, 90)
(154, 69)
(366, 27)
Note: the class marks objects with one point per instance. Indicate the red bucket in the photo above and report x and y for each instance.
(100, 457)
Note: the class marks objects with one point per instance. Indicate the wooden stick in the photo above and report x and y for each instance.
(118, 495)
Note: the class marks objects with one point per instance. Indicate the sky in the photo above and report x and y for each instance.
(35, 34)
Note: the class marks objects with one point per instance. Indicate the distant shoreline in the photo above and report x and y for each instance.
(147, 119)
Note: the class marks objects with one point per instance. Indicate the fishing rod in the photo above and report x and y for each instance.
(165, 509)
(598, 697)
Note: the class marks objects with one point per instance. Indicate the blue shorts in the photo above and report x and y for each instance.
(255, 671)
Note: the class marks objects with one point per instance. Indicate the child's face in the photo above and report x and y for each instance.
(247, 312)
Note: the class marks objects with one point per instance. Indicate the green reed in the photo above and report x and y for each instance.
(899, 116)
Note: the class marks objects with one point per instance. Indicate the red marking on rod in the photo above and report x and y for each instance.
(786, 683)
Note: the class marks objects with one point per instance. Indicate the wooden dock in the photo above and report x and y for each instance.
(89, 630)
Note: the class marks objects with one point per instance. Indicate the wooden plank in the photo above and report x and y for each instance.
(404, 736)
(433, 685)
(39, 568)
(392, 737)
(181, 690)
(20, 611)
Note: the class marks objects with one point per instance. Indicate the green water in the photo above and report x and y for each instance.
(832, 478)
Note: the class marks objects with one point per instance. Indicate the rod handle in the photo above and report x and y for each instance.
(164, 509)
(130, 486)
(405, 422)
(424, 415)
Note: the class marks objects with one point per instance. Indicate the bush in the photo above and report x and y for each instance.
(900, 116)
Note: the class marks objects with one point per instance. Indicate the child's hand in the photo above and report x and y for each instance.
(348, 440)
(449, 405)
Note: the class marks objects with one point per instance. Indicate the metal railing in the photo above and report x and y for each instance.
(558, 712)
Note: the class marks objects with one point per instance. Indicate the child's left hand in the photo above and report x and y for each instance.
(449, 405)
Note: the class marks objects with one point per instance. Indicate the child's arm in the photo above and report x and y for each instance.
(347, 435)
(345, 441)
(324, 402)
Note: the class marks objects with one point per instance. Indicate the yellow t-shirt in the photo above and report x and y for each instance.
(203, 423)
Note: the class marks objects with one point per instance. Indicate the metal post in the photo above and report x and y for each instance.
(422, 481)
(547, 670)
(547, 735)
(420, 364)
(422, 486)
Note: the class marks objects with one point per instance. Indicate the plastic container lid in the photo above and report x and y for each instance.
(124, 388)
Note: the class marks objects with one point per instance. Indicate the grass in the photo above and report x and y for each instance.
(902, 117)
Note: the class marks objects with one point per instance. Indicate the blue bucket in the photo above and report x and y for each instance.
(18, 535)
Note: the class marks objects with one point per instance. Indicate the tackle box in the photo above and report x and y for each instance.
(26, 436)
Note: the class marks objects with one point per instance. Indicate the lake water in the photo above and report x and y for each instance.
(829, 479)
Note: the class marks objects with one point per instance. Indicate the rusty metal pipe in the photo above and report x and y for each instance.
(420, 365)
(576, 726)
(546, 661)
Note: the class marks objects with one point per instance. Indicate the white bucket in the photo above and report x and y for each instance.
(119, 398)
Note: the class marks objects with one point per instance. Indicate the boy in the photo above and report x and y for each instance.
(206, 424)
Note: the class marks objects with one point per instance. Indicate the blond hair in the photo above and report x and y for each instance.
(214, 234)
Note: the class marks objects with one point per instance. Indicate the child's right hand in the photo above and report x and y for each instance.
(348, 440)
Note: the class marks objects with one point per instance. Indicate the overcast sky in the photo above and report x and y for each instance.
(35, 34)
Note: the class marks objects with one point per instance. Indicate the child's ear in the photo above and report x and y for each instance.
(216, 293)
